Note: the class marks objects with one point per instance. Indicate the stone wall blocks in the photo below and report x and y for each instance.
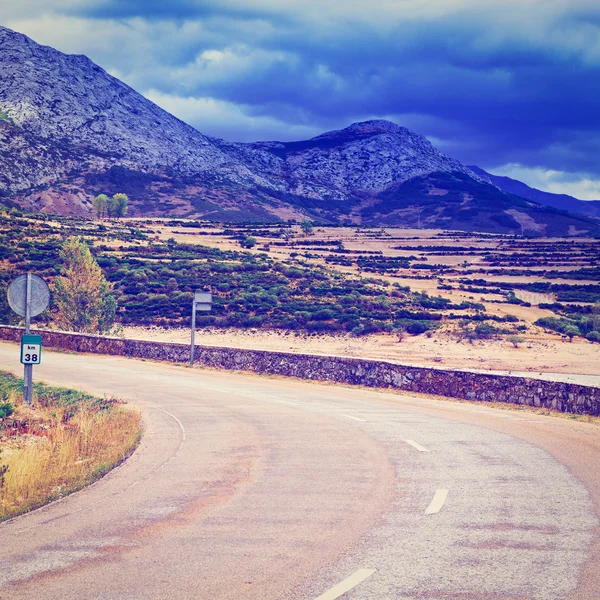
(459, 384)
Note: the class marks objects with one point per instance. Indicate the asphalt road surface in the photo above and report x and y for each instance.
(249, 487)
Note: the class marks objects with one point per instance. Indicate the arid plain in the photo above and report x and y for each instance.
(451, 265)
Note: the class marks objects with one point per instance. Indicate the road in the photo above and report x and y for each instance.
(251, 487)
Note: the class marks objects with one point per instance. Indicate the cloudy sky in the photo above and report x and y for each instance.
(510, 85)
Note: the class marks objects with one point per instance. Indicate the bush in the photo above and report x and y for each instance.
(485, 330)
(416, 328)
(571, 331)
(593, 336)
(323, 315)
(6, 409)
(515, 340)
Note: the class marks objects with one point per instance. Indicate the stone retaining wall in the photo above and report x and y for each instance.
(565, 397)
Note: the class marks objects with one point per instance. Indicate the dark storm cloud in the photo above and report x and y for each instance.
(493, 83)
(160, 9)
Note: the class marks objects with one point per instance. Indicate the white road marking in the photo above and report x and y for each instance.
(345, 586)
(438, 501)
(417, 446)
(119, 492)
(355, 418)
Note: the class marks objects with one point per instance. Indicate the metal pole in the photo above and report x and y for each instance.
(193, 331)
(28, 374)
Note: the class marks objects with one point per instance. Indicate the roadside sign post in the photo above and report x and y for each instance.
(28, 296)
(31, 349)
(28, 375)
(202, 301)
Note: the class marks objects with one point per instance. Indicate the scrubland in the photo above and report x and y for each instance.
(428, 296)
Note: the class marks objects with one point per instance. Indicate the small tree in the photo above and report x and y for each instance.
(82, 295)
(307, 227)
(120, 204)
(596, 316)
(516, 340)
(400, 331)
(571, 331)
(101, 206)
(593, 336)
(116, 206)
(248, 242)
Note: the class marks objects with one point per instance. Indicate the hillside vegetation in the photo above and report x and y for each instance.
(154, 281)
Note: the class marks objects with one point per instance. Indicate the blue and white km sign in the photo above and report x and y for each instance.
(31, 349)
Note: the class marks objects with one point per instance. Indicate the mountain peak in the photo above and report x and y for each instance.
(365, 129)
(376, 126)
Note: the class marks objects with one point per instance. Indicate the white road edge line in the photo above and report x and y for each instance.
(417, 446)
(345, 586)
(438, 501)
(355, 418)
(118, 493)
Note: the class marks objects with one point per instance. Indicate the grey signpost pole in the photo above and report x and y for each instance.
(193, 331)
(202, 301)
(28, 296)
(28, 374)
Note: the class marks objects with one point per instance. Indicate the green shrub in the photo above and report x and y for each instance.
(6, 409)
(516, 340)
(571, 331)
(593, 336)
(486, 330)
(416, 328)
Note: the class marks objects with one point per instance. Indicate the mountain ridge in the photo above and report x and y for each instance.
(72, 131)
(560, 201)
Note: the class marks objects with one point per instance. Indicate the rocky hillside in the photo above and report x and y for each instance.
(69, 130)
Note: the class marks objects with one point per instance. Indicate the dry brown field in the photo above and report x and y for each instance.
(453, 259)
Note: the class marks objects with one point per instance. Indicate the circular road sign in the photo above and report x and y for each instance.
(17, 295)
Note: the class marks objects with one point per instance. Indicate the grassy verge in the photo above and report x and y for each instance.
(66, 442)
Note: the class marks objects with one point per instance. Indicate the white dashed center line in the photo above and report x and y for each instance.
(438, 501)
(345, 586)
(417, 446)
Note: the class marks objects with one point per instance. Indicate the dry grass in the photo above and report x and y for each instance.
(68, 441)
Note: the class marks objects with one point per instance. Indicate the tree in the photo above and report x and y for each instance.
(307, 227)
(115, 207)
(516, 340)
(111, 207)
(400, 331)
(571, 331)
(82, 294)
(120, 201)
(248, 242)
(596, 316)
(593, 336)
(101, 205)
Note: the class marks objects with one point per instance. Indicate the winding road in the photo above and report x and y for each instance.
(258, 488)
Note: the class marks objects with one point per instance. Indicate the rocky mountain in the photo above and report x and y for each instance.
(69, 130)
(560, 201)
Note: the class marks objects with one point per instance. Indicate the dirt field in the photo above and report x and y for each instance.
(544, 353)
(473, 252)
